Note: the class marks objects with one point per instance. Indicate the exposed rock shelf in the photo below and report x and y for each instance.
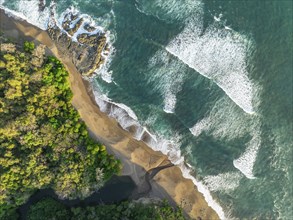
(77, 38)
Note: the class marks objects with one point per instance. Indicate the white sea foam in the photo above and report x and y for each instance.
(12, 13)
(228, 28)
(223, 182)
(200, 126)
(152, 135)
(174, 155)
(169, 9)
(105, 74)
(123, 115)
(169, 102)
(226, 122)
(139, 133)
(246, 161)
(219, 55)
(206, 52)
(218, 18)
(29, 10)
(127, 109)
(120, 112)
(169, 147)
(104, 98)
(87, 20)
(167, 76)
(204, 190)
(108, 55)
(15, 14)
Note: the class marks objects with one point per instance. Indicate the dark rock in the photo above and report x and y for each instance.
(72, 30)
(42, 5)
(86, 52)
(89, 28)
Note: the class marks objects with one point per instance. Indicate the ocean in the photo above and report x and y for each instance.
(209, 83)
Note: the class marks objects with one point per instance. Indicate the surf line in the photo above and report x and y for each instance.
(249, 111)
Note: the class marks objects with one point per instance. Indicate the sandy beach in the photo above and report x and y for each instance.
(136, 156)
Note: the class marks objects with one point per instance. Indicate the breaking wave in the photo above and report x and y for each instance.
(223, 181)
(170, 147)
(200, 126)
(29, 11)
(90, 27)
(246, 161)
(217, 53)
(170, 10)
(73, 16)
(225, 122)
(168, 78)
(169, 85)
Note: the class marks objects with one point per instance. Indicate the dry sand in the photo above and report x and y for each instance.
(136, 156)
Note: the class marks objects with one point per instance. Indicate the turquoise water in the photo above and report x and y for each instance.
(212, 80)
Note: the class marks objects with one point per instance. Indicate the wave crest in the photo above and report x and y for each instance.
(218, 54)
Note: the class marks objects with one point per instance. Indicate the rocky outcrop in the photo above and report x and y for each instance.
(77, 38)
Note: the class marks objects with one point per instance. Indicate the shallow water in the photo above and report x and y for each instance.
(210, 81)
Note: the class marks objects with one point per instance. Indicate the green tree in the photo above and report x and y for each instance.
(43, 141)
(51, 209)
(48, 209)
(28, 46)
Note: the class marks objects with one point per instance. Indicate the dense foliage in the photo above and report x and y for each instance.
(51, 209)
(43, 142)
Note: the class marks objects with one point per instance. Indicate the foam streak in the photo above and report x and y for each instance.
(219, 55)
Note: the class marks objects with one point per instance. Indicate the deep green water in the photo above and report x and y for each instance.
(212, 80)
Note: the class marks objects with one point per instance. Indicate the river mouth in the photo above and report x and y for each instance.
(117, 189)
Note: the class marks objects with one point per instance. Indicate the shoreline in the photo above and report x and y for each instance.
(135, 156)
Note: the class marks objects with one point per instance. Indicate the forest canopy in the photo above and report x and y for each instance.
(51, 209)
(43, 141)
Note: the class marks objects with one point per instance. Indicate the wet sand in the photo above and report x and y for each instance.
(136, 156)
